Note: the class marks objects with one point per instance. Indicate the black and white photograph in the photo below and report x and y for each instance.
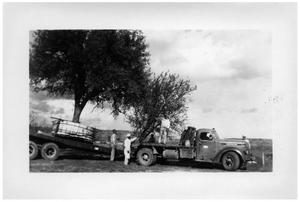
(150, 96)
(151, 101)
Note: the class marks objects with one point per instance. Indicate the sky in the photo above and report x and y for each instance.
(231, 69)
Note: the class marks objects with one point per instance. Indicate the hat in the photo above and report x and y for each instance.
(128, 135)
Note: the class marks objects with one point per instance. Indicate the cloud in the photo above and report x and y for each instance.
(92, 121)
(104, 120)
(211, 55)
(159, 45)
(249, 110)
(41, 106)
(58, 111)
(207, 110)
(172, 60)
(243, 70)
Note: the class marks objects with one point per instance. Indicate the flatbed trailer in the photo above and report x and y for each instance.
(50, 145)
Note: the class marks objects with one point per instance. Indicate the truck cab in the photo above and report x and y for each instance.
(232, 153)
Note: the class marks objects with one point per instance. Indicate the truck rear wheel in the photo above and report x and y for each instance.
(33, 150)
(231, 161)
(50, 151)
(145, 157)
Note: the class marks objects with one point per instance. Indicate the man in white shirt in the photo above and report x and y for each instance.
(165, 125)
(127, 148)
(113, 142)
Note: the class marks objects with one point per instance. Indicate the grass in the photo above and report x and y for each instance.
(262, 148)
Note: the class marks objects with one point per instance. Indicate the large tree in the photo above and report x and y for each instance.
(91, 65)
(166, 97)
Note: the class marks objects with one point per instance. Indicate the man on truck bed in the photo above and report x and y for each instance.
(164, 127)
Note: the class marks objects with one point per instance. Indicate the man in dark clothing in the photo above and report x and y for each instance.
(113, 142)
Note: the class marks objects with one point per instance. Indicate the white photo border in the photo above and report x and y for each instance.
(20, 18)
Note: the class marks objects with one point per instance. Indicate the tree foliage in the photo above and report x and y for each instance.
(91, 65)
(166, 97)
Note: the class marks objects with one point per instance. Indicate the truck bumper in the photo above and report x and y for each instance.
(249, 160)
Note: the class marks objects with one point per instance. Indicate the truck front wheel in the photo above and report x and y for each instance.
(50, 151)
(145, 157)
(230, 161)
(33, 150)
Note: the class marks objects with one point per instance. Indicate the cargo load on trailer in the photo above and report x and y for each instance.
(69, 129)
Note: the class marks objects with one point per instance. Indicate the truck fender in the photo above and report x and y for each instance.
(218, 157)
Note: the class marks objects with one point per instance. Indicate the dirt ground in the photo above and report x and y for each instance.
(100, 164)
(71, 161)
(104, 165)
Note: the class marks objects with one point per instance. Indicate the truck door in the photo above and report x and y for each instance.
(205, 146)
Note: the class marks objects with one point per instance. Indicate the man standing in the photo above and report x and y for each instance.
(165, 125)
(127, 146)
(113, 142)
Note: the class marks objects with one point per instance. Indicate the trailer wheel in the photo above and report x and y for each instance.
(50, 151)
(145, 157)
(230, 161)
(33, 150)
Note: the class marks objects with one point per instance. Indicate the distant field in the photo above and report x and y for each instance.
(260, 148)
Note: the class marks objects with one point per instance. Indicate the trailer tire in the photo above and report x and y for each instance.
(145, 157)
(33, 150)
(50, 151)
(231, 161)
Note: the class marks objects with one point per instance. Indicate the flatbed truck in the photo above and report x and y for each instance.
(202, 145)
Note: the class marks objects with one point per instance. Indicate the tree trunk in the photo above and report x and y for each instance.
(148, 128)
(77, 111)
